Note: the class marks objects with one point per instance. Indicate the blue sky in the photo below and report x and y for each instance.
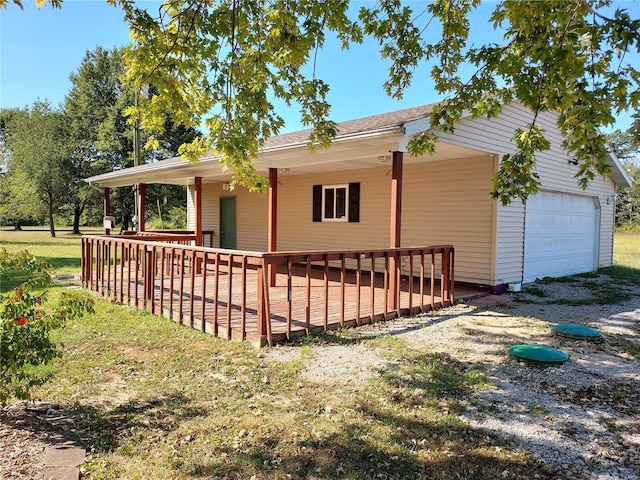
(39, 48)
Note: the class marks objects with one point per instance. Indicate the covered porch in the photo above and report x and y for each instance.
(292, 273)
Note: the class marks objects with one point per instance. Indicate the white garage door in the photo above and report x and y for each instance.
(561, 232)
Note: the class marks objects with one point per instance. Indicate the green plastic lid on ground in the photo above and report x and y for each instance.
(538, 354)
(572, 330)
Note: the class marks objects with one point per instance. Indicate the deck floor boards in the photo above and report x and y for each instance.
(228, 308)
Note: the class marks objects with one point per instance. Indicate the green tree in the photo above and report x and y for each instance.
(92, 107)
(102, 135)
(37, 139)
(170, 198)
(115, 142)
(624, 145)
(17, 207)
(231, 58)
(628, 201)
(627, 149)
(16, 191)
(221, 63)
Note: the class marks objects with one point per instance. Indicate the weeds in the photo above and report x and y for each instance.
(602, 292)
(537, 291)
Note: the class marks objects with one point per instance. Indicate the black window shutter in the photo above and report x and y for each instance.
(354, 202)
(317, 203)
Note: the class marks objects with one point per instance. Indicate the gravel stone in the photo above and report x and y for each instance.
(581, 418)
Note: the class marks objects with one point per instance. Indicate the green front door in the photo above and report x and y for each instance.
(228, 222)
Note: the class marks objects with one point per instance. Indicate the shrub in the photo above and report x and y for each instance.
(23, 270)
(26, 323)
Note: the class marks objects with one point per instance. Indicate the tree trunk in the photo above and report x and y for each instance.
(17, 226)
(77, 212)
(126, 218)
(52, 227)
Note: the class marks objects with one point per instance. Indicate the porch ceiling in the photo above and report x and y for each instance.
(349, 154)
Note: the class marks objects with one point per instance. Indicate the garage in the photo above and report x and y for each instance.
(561, 232)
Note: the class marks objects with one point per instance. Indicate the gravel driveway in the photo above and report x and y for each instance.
(582, 418)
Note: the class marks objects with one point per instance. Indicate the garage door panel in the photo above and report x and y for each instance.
(560, 234)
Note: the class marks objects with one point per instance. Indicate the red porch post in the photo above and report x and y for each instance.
(273, 221)
(197, 200)
(396, 226)
(198, 213)
(107, 208)
(141, 210)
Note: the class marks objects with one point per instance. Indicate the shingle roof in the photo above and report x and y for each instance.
(372, 123)
(359, 125)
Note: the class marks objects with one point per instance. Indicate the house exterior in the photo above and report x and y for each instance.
(365, 192)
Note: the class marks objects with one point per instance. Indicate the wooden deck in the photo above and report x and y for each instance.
(225, 318)
(233, 294)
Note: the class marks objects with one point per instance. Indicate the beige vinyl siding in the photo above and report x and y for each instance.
(510, 243)
(298, 231)
(607, 228)
(556, 174)
(252, 219)
(444, 202)
(210, 209)
(448, 202)
(251, 215)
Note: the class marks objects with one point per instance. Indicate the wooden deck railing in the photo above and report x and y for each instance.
(267, 297)
(206, 234)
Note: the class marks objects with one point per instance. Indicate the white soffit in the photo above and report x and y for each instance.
(354, 155)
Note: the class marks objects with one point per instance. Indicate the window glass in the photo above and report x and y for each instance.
(335, 203)
(329, 202)
(341, 202)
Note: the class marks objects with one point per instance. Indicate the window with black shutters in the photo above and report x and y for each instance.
(336, 203)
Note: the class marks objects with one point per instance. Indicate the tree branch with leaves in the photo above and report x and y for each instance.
(222, 63)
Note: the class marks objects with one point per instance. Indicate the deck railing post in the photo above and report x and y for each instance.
(260, 307)
(395, 273)
(447, 276)
(148, 269)
(262, 310)
(83, 263)
(99, 276)
(452, 277)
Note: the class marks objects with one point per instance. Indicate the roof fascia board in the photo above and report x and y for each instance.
(624, 177)
(416, 126)
(423, 124)
(145, 169)
(340, 138)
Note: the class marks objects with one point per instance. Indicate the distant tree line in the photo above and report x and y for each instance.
(47, 151)
(627, 149)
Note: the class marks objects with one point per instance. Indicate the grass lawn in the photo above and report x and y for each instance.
(162, 401)
(62, 252)
(626, 257)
